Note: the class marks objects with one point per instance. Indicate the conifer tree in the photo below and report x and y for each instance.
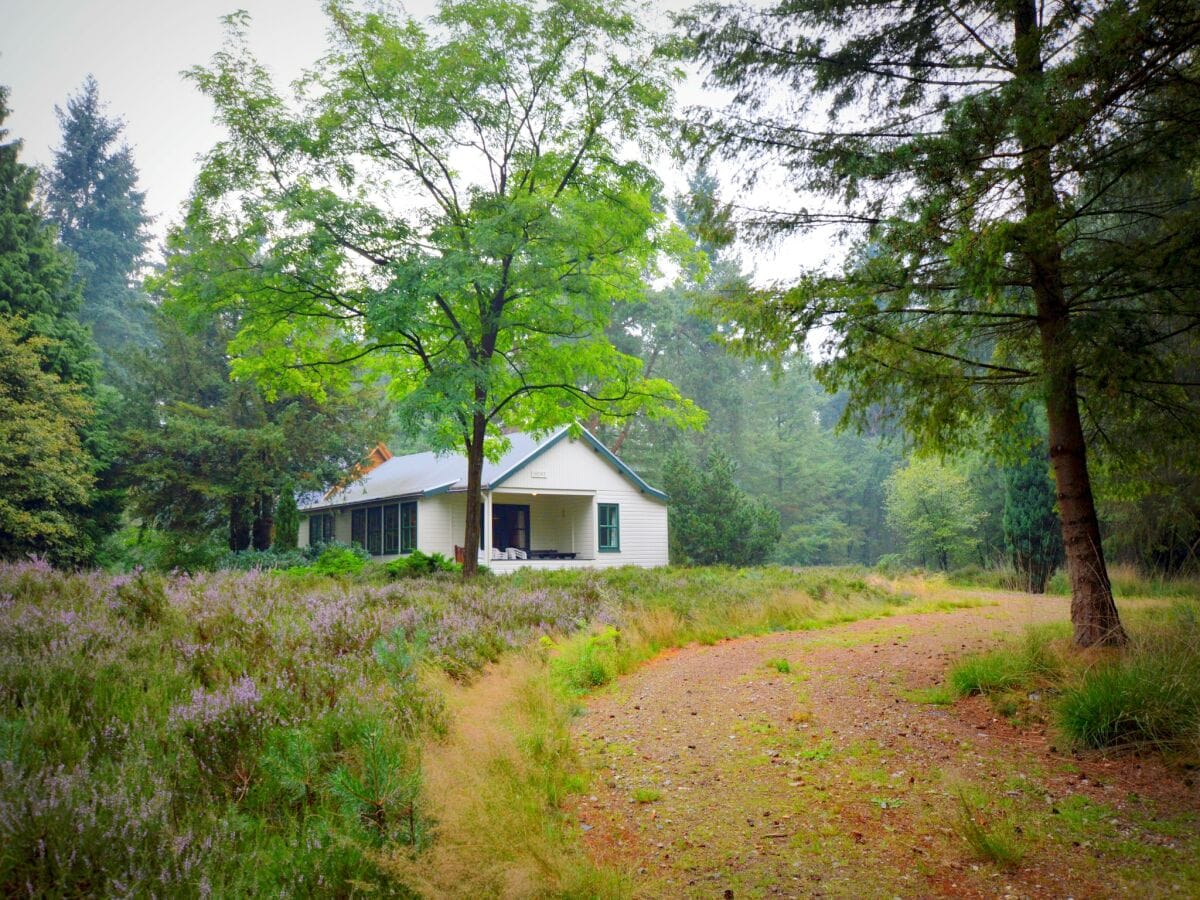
(92, 196)
(47, 366)
(1011, 178)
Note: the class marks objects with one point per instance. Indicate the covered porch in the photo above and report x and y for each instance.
(547, 529)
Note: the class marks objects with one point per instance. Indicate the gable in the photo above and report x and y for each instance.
(572, 464)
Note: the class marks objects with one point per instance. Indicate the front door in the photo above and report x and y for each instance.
(510, 526)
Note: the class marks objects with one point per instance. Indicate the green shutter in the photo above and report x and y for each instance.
(609, 515)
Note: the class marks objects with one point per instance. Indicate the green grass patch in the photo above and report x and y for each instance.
(647, 795)
(1025, 663)
(780, 665)
(938, 695)
(990, 837)
(1147, 697)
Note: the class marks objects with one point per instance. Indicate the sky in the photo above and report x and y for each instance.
(138, 49)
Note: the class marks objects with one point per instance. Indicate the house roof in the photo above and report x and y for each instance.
(428, 474)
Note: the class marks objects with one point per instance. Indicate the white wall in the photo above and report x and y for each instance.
(558, 521)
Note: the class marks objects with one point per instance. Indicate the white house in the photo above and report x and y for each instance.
(558, 502)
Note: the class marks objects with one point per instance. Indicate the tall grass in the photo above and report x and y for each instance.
(245, 733)
(235, 733)
(1148, 696)
(1145, 697)
(1127, 581)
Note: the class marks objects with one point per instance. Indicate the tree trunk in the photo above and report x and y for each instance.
(264, 521)
(239, 524)
(474, 495)
(1093, 612)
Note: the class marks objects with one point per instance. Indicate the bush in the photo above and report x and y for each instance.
(275, 558)
(420, 565)
(334, 560)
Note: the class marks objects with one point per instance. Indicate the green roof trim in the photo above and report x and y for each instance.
(596, 446)
(615, 461)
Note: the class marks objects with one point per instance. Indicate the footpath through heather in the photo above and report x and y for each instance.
(717, 775)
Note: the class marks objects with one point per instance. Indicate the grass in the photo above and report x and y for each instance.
(646, 795)
(1127, 581)
(1034, 660)
(325, 727)
(1146, 697)
(780, 665)
(995, 842)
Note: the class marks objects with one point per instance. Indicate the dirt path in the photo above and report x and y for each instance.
(718, 776)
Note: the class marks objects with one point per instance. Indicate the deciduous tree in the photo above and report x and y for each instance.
(47, 367)
(453, 206)
(933, 510)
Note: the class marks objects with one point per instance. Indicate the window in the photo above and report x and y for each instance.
(375, 530)
(610, 527)
(320, 529)
(408, 527)
(385, 530)
(510, 526)
(391, 529)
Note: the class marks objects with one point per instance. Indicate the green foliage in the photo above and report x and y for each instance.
(592, 661)
(92, 197)
(712, 520)
(47, 368)
(419, 565)
(208, 457)
(379, 790)
(780, 665)
(1032, 531)
(931, 506)
(47, 476)
(287, 520)
(336, 560)
(417, 708)
(472, 261)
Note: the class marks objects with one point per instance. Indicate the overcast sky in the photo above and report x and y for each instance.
(137, 49)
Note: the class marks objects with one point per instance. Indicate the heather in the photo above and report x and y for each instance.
(244, 732)
(230, 733)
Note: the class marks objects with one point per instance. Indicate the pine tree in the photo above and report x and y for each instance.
(1013, 179)
(713, 521)
(47, 367)
(287, 520)
(1032, 531)
(92, 197)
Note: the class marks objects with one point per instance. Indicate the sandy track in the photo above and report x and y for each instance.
(832, 780)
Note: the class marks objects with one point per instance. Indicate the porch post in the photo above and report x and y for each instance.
(487, 528)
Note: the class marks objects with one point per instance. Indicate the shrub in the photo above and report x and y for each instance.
(419, 565)
(223, 729)
(335, 560)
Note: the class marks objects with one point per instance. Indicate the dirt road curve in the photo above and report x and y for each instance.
(716, 775)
